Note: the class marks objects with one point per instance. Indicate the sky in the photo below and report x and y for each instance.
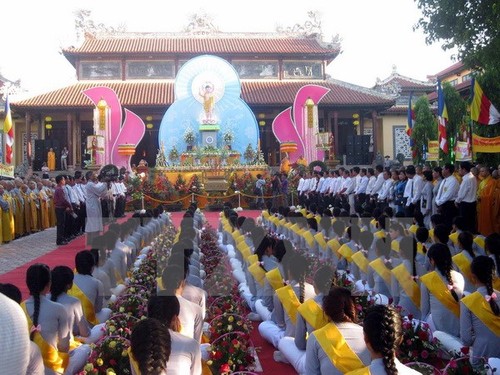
(376, 35)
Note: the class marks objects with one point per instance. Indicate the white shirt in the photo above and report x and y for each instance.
(386, 189)
(448, 190)
(371, 184)
(378, 184)
(300, 187)
(362, 186)
(319, 186)
(326, 185)
(418, 184)
(468, 189)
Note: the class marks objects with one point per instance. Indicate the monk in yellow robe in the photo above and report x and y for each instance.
(7, 216)
(496, 203)
(28, 214)
(285, 165)
(51, 159)
(485, 205)
(44, 207)
(34, 207)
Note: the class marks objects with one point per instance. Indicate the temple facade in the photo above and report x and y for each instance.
(141, 69)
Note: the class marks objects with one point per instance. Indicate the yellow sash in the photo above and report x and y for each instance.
(395, 246)
(320, 240)
(379, 234)
(439, 290)
(463, 264)
(313, 314)
(295, 228)
(289, 300)
(361, 371)
(479, 241)
(337, 349)
(257, 272)
(413, 229)
(52, 358)
(454, 238)
(334, 246)
(88, 307)
(360, 260)
(309, 238)
(420, 248)
(275, 279)
(478, 305)
(133, 362)
(346, 252)
(496, 283)
(246, 252)
(380, 268)
(406, 282)
(252, 258)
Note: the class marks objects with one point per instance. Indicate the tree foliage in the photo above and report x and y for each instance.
(457, 109)
(471, 26)
(424, 129)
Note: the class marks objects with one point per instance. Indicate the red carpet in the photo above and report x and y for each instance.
(65, 255)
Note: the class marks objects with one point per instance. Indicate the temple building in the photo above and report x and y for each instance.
(141, 69)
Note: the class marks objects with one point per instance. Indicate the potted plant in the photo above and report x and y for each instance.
(228, 138)
(189, 138)
(173, 155)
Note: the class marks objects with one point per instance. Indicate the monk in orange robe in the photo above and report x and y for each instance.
(485, 206)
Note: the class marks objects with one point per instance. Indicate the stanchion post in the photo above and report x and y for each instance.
(192, 197)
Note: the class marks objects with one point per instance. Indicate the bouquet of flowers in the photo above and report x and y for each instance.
(230, 304)
(109, 357)
(231, 352)
(227, 322)
(418, 345)
(363, 303)
(460, 364)
(132, 304)
(219, 281)
(121, 325)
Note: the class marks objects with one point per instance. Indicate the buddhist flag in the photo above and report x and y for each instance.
(411, 116)
(481, 109)
(9, 132)
(442, 120)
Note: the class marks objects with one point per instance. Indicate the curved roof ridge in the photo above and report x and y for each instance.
(396, 75)
(362, 89)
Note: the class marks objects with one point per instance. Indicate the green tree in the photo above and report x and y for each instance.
(473, 27)
(457, 109)
(424, 129)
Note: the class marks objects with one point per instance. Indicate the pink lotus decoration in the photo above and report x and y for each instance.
(293, 129)
(130, 132)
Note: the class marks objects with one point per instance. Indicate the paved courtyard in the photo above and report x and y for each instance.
(25, 249)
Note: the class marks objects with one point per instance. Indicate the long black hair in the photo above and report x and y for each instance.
(37, 279)
(62, 278)
(492, 246)
(440, 254)
(382, 328)
(151, 345)
(483, 268)
(165, 309)
(339, 305)
(408, 250)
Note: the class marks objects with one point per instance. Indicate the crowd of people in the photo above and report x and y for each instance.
(35, 204)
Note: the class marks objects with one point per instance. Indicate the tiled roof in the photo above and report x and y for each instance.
(462, 87)
(161, 93)
(223, 43)
(405, 82)
(455, 68)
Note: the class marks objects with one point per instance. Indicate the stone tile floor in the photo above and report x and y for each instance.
(25, 249)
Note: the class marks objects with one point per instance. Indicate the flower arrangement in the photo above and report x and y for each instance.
(418, 345)
(189, 136)
(121, 325)
(133, 304)
(227, 322)
(109, 357)
(173, 155)
(231, 352)
(228, 137)
(460, 364)
(229, 304)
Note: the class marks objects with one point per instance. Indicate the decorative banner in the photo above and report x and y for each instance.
(6, 170)
(433, 151)
(463, 151)
(483, 144)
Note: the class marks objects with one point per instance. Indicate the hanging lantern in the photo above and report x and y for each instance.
(288, 147)
(310, 112)
(126, 149)
(102, 106)
(150, 126)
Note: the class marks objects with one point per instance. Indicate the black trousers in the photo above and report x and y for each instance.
(61, 220)
(449, 211)
(469, 212)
